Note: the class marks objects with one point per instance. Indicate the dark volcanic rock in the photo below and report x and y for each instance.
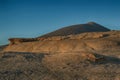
(77, 29)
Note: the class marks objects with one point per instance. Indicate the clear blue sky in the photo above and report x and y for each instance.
(32, 18)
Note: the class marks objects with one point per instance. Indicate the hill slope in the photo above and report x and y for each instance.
(77, 29)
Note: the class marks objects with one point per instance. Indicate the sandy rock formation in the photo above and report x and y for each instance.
(20, 40)
(89, 56)
(70, 43)
(92, 57)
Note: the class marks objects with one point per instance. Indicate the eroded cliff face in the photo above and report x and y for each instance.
(96, 41)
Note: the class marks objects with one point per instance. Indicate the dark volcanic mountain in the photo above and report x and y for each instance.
(77, 29)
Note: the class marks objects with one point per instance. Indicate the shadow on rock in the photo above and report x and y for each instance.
(102, 59)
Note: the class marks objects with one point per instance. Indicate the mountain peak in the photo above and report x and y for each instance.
(77, 29)
(92, 23)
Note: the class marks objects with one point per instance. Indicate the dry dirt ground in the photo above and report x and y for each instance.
(59, 66)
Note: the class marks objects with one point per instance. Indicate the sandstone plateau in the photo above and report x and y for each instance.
(78, 52)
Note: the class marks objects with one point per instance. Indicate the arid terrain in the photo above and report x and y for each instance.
(87, 55)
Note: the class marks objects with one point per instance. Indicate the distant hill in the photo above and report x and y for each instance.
(77, 29)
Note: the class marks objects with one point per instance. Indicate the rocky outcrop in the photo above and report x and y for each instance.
(21, 40)
(70, 43)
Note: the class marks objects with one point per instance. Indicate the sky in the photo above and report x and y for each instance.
(32, 18)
